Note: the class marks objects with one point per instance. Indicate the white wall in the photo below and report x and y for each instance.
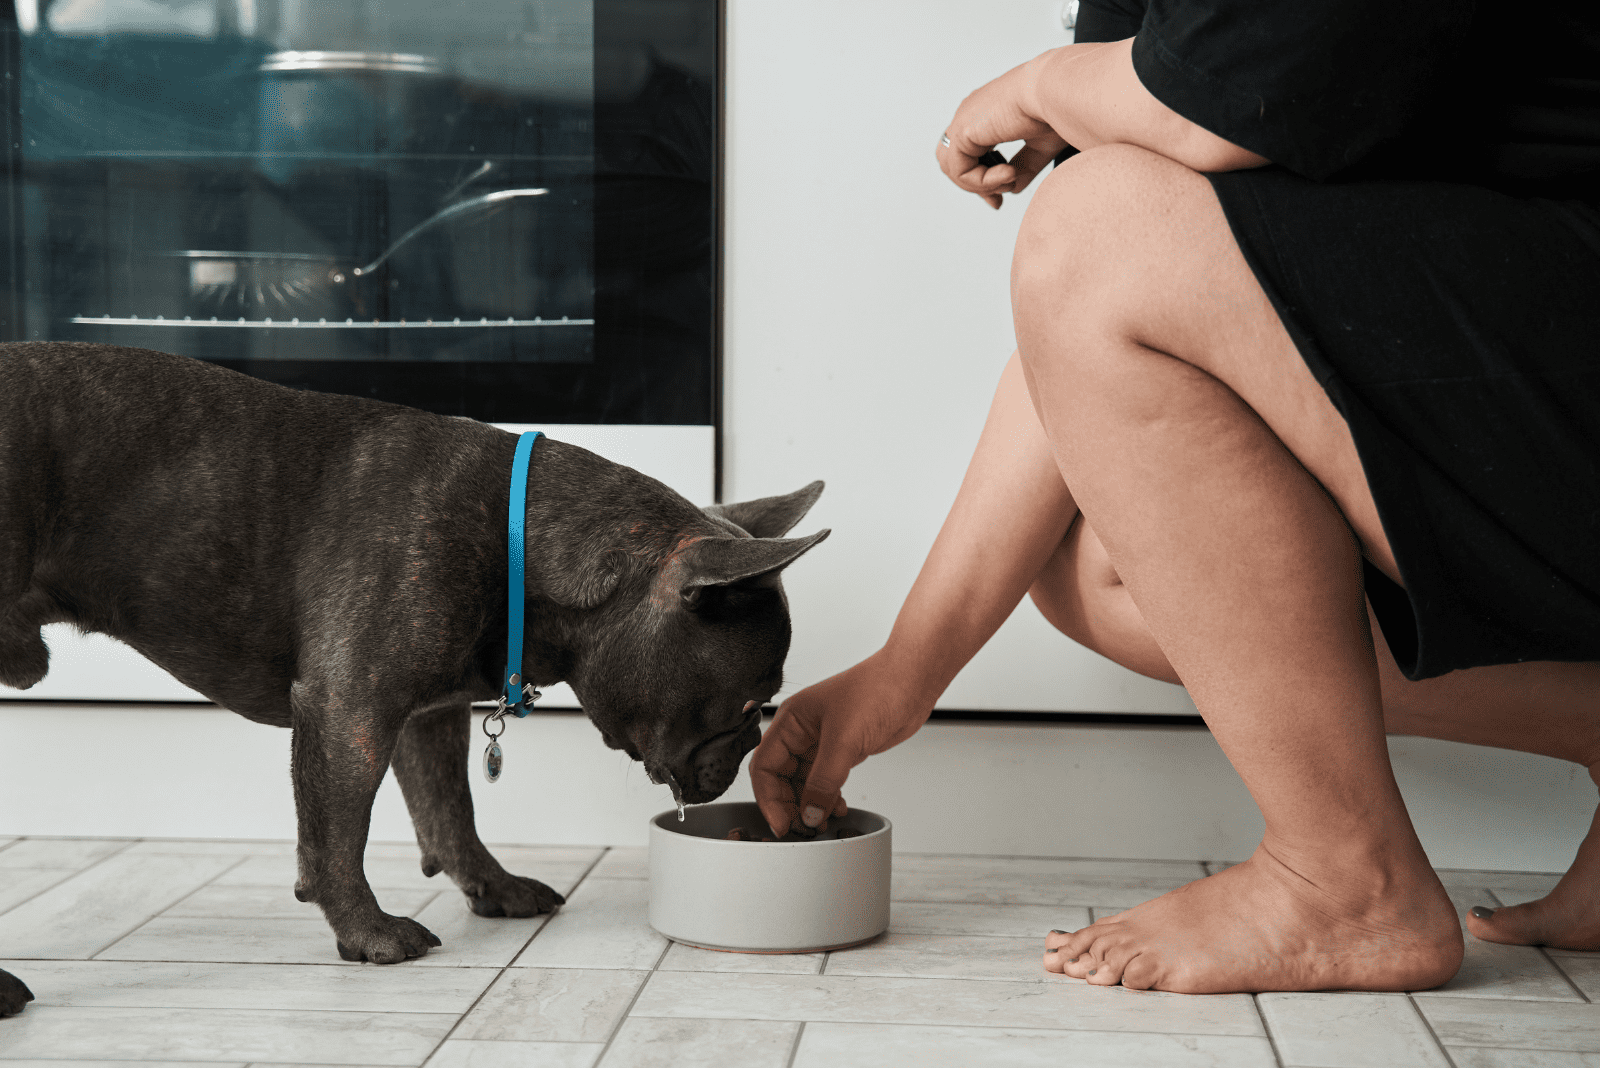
(1050, 790)
(868, 318)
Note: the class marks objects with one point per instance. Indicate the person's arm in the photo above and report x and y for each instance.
(1083, 95)
(1011, 513)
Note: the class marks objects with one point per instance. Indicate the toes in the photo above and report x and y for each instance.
(1078, 965)
(1515, 925)
(1139, 973)
(401, 939)
(516, 896)
(483, 906)
(14, 994)
(1096, 954)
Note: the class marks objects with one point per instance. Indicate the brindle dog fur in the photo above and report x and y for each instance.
(337, 566)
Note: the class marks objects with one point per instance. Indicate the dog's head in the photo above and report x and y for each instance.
(686, 630)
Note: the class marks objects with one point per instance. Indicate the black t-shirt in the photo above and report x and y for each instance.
(1428, 89)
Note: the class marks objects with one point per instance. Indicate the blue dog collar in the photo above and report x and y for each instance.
(515, 697)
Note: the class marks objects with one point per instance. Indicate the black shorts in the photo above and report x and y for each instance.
(1458, 331)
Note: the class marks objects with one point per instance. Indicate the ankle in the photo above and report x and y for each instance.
(1373, 870)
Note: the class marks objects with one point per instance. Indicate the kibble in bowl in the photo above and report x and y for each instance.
(714, 890)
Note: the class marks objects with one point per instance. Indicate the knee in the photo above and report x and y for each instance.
(1085, 211)
(1095, 251)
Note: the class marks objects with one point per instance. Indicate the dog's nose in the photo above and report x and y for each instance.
(716, 765)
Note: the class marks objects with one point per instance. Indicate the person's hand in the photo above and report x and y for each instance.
(991, 115)
(825, 730)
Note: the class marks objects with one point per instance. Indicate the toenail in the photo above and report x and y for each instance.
(1054, 931)
(1074, 960)
(1093, 970)
(1481, 912)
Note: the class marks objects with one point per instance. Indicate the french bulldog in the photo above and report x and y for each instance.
(338, 566)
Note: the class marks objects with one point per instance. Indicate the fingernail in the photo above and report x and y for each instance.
(1054, 931)
(812, 816)
(1481, 912)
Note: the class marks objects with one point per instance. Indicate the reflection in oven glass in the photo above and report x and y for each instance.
(296, 179)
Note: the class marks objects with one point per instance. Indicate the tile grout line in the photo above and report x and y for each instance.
(1556, 964)
(435, 896)
(434, 1052)
(1411, 1000)
(794, 1050)
(627, 1012)
(1544, 952)
(153, 915)
(593, 864)
(500, 972)
(1266, 1029)
(71, 874)
(67, 874)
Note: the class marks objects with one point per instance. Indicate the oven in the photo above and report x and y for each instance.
(500, 209)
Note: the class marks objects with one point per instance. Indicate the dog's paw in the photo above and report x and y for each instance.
(515, 895)
(388, 941)
(14, 994)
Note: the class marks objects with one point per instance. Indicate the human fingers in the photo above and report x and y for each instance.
(824, 771)
(993, 114)
(773, 766)
(984, 172)
(1031, 159)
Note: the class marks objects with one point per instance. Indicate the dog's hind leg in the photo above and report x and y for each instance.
(339, 755)
(431, 762)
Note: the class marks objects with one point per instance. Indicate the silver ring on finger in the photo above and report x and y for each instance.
(944, 139)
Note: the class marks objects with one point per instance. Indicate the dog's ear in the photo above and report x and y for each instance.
(770, 517)
(724, 561)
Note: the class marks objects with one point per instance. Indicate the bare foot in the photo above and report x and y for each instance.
(1262, 926)
(1566, 918)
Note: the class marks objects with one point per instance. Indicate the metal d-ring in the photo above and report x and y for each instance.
(499, 716)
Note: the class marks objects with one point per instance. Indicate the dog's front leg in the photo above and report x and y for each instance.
(431, 763)
(339, 756)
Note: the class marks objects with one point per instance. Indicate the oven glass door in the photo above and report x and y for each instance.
(503, 209)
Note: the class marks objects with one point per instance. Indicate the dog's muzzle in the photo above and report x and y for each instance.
(715, 763)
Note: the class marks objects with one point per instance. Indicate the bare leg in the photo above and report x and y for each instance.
(1158, 368)
(1548, 708)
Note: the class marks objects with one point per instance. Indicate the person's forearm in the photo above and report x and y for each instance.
(1009, 517)
(1090, 95)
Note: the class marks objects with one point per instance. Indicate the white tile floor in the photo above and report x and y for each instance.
(196, 953)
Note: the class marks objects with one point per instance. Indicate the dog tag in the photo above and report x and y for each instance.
(493, 760)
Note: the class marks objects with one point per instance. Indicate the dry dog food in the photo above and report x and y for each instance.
(739, 834)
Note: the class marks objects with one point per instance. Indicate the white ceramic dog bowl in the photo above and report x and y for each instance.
(767, 897)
